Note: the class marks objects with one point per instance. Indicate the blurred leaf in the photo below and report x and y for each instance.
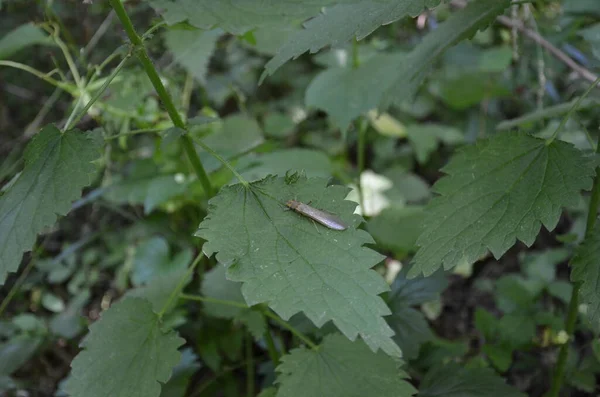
(192, 49)
(126, 353)
(152, 259)
(279, 125)
(346, 93)
(313, 163)
(452, 380)
(499, 356)
(425, 138)
(340, 368)
(215, 285)
(297, 265)
(52, 302)
(406, 186)
(233, 136)
(69, 323)
(21, 37)
(57, 166)
(586, 270)
(159, 290)
(465, 90)
(502, 189)
(17, 351)
(542, 265)
(410, 325)
(387, 125)
(397, 228)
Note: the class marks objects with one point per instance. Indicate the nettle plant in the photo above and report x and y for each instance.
(305, 294)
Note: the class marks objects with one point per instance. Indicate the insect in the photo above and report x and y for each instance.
(324, 218)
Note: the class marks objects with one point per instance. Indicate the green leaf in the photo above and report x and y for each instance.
(459, 26)
(215, 285)
(57, 166)
(343, 23)
(346, 93)
(499, 190)
(453, 380)
(293, 264)
(182, 374)
(468, 89)
(586, 270)
(397, 228)
(313, 163)
(340, 368)
(16, 351)
(152, 259)
(192, 49)
(126, 354)
(233, 135)
(425, 138)
(236, 16)
(159, 290)
(410, 325)
(21, 37)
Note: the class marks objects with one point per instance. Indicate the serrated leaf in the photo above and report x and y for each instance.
(57, 166)
(499, 190)
(192, 49)
(454, 381)
(459, 26)
(340, 368)
(21, 37)
(286, 260)
(125, 354)
(586, 270)
(237, 16)
(345, 22)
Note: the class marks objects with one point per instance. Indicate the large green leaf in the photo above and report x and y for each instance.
(126, 354)
(346, 93)
(343, 23)
(453, 380)
(340, 368)
(57, 166)
(496, 191)
(192, 49)
(238, 16)
(586, 269)
(294, 264)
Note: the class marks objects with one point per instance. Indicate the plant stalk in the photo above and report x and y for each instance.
(561, 363)
(165, 97)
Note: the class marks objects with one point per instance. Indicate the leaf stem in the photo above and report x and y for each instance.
(142, 54)
(293, 330)
(40, 75)
(573, 109)
(273, 353)
(180, 285)
(561, 363)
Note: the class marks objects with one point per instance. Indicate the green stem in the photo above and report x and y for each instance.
(573, 109)
(67, 87)
(216, 155)
(133, 132)
(206, 299)
(563, 355)
(293, 330)
(165, 97)
(15, 288)
(98, 94)
(273, 353)
(180, 285)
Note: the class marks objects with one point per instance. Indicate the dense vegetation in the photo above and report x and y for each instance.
(446, 150)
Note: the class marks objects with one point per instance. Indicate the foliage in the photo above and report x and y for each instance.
(150, 174)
